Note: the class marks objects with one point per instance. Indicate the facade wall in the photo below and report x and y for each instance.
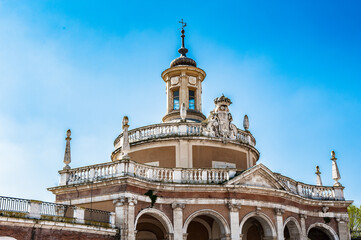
(204, 155)
(165, 156)
(21, 232)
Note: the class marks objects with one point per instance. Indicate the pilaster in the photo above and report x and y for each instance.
(303, 227)
(178, 220)
(279, 223)
(234, 219)
(131, 218)
(125, 217)
(120, 216)
(343, 230)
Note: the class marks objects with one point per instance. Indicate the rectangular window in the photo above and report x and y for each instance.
(191, 100)
(176, 100)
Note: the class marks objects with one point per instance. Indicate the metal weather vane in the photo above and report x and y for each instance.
(184, 24)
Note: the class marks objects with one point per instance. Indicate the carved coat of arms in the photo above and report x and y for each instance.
(219, 122)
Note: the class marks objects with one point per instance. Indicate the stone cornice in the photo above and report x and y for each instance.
(183, 68)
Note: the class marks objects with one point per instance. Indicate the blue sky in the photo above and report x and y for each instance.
(293, 66)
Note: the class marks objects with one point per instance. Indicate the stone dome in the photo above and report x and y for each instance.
(183, 61)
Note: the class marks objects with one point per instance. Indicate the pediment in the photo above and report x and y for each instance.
(258, 176)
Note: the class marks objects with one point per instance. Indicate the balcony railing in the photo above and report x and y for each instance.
(130, 168)
(150, 173)
(165, 130)
(24, 208)
(312, 191)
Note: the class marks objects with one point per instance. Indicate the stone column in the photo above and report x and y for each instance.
(178, 220)
(303, 227)
(234, 220)
(131, 218)
(343, 230)
(279, 223)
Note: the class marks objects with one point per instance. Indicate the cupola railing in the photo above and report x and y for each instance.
(167, 130)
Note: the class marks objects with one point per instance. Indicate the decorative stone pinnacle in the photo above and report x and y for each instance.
(67, 154)
(335, 172)
(125, 144)
(318, 177)
(246, 123)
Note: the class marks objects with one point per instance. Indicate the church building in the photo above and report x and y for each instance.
(190, 177)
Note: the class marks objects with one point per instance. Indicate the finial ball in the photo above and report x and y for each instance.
(68, 133)
(125, 121)
(333, 155)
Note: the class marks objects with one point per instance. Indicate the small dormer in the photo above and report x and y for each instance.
(184, 85)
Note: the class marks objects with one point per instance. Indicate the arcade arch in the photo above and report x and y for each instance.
(206, 224)
(321, 231)
(292, 230)
(257, 226)
(152, 224)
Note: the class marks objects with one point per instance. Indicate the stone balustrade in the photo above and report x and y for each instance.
(25, 208)
(141, 171)
(166, 130)
(312, 191)
(130, 168)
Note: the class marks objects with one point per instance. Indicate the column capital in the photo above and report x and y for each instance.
(342, 219)
(302, 215)
(233, 207)
(125, 200)
(132, 201)
(119, 201)
(178, 205)
(279, 211)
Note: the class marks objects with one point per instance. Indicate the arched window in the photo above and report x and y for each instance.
(191, 99)
(176, 99)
